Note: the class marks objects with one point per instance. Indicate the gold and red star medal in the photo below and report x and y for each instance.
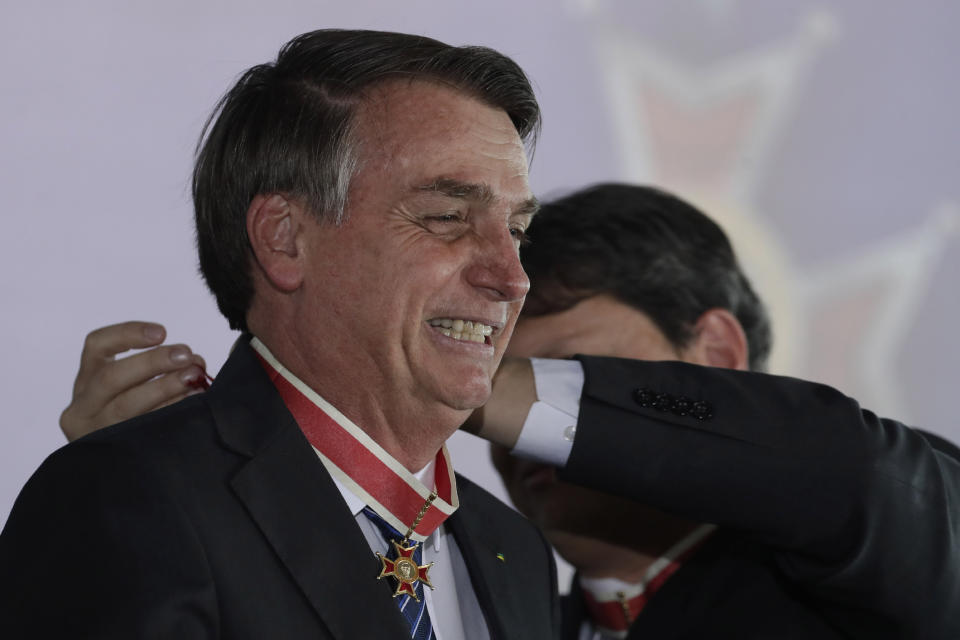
(405, 570)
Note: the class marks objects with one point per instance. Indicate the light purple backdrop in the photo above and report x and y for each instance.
(824, 139)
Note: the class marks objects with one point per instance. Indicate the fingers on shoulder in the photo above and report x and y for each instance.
(108, 341)
(158, 392)
(125, 373)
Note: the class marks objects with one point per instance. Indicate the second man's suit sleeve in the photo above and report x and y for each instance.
(862, 511)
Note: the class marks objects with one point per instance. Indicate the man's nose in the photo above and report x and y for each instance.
(496, 268)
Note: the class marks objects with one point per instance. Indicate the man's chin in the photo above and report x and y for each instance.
(472, 399)
(466, 392)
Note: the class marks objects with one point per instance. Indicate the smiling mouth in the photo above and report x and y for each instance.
(465, 330)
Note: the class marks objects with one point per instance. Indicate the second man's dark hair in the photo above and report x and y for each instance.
(645, 248)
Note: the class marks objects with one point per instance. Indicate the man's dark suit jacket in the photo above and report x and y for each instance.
(214, 518)
(834, 523)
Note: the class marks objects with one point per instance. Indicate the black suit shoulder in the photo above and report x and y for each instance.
(144, 529)
(182, 431)
(96, 521)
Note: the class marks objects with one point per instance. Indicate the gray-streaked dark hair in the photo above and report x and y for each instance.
(285, 127)
(648, 249)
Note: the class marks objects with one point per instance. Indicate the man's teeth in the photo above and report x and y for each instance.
(463, 329)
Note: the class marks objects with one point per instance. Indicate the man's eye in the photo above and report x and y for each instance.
(520, 234)
(444, 217)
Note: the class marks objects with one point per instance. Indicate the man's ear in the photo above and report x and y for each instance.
(719, 341)
(273, 225)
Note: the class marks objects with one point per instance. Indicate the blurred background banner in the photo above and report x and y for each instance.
(822, 136)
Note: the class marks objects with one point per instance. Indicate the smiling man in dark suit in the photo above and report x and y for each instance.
(833, 523)
(359, 206)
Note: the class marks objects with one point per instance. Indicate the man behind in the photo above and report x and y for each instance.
(834, 523)
(354, 201)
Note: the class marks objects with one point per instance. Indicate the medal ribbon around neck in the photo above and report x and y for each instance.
(362, 465)
(614, 609)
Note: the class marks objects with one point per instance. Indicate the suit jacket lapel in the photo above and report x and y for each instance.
(477, 552)
(500, 594)
(297, 506)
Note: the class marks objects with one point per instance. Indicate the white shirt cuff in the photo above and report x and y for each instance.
(549, 430)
